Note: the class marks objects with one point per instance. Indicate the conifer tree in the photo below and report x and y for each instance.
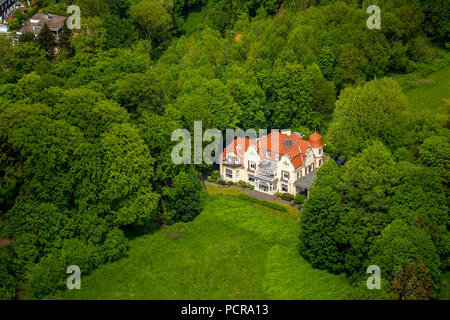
(46, 40)
(64, 44)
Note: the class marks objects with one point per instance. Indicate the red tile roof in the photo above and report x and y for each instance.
(276, 143)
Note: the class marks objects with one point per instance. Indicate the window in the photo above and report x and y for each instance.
(237, 174)
(267, 154)
(286, 163)
(299, 174)
(277, 157)
(285, 175)
(252, 165)
(251, 178)
(229, 173)
(284, 188)
(320, 162)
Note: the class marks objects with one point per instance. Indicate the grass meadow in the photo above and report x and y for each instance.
(235, 249)
(426, 93)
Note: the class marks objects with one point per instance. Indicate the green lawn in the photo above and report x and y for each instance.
(428, 93)
(232, 250)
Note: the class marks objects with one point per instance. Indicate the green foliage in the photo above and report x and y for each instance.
(287, 196)
(46, 40)
(119, 8)
(20, 60)
(214, 176)
(92, 36)
(120, 33)
(412, 283)
(64, 44)
(93, 8)
(373, 111)
(183, 196)
(435, 152)
(368, 193)
(139, 91)
(7, 283)
(154, 18)
(49, 274)
(127, 188)
(27, 36)
(299, 199)
(319, 219)
(115, 246)
(400, 244)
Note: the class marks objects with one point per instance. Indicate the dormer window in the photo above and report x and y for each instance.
(232, 159)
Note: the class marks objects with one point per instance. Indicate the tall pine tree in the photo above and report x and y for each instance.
(65, 47)
(46, 40)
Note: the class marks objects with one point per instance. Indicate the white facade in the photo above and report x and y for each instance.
(273, 172)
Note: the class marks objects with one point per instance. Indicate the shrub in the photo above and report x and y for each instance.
(299, 199)
(215, 175)
(221, 182)
(243, 184)
(287, 196)
(46, 276)
(115, 246)
(278, 195)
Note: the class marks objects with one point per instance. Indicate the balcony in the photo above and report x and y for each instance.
(231, 165)
(231, 162)
(268, 178)
(267, 170)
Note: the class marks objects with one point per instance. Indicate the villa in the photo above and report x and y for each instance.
(278, 162)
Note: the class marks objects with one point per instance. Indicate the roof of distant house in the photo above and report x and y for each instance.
(36, 23)
(277, 144)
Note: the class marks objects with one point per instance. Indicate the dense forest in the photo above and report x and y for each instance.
(85, 130)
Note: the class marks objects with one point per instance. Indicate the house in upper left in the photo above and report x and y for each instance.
(35, 24)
